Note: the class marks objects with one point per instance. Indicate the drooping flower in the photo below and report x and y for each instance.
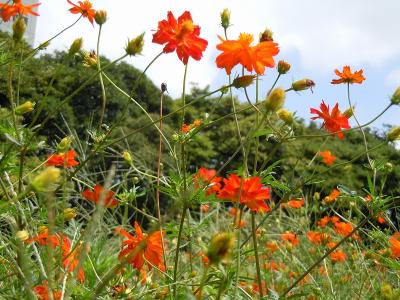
(180, 35)
(248, 191)
(84, 8)
(42, 292)
(346, 76)
(327, 157)
(206, 178)
(250, 57)
(99, 194)
(17, 8)
(294, 203)
(141, 248)
(334, 121)
(70, 258)
(65, 160)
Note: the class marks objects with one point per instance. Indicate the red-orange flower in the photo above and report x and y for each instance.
(84, 8)
(66, 160)
(290, 237)
(248, 191)
(343, 228)
(332, 197)
(250, 57)
(43, 238)
(180, 35)
(316, 237)
(395, 245)
(17, 8)
(323, 222)
(338, 256)
(42, 292)
(327, 157)
(333, 121)
(141, 248)
(348, 77)
(294, 203)
(69, 259)
(206, 178)
(99, 194)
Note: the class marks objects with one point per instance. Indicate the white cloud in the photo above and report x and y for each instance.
(325, 34)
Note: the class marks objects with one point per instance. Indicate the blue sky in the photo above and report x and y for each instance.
(314, 36)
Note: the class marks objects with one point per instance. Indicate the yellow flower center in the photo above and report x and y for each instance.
(186, 27)
(246, 38)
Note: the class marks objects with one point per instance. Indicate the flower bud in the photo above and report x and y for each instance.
(225, 18)
(135, 180)
(43, 229)
(64, 144)
(283, 67)
(69, 214)
(285, 115)
(243, 81)
(135, 46)
(275, 100)
(75, 47)
(44, 45)
(393, 134)
(100, 17)
(26, 107)
(316, 196)
(388, 167)
(266, 36)
(47, 180)
(22, 235)
(126, 155)
(396, 97)
(303, 84)
(348, 113)
(89, 59)
(220, 247)
(19, 28)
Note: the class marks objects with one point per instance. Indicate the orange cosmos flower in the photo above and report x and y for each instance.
(347, 77)
(17, 8)
(327, 157)
(332, 197)
(248, 191)
(323, 222)
(84, 8)
(65, 160)
(343, 228)
(70, 259)
(333, 121)
(294, 203)
(316, 237)
(43, 238)
(338, 256)
(141, 248)
(98, 193)
(395, 245)
(180, 35)
(42, 292)
(250, 57)
(290, 237)
(206, 178)
(334, 219)
(272, 246)
(205, 208)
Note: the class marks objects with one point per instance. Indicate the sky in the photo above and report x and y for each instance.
(315, 37)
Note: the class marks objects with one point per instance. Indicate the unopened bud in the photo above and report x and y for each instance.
(64, 144)
(75, 47)
(220, 247)
(303, 84)
(126, 155)
(22, 235)
(275, 100)
(393, 134)
(69, 214)
(47, 180)
(225, 18)
(44, 45)
(135, 46)
(100, 17)
(348, 113)
(243, 81)
(89, 59)
(266, 36)
(396, 97)
(285, 115)
(283, 67)
(135, 180)
(388, 167)
(19, 28)
(316, 196)
(26, 107)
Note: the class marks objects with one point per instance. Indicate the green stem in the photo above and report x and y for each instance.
(178, 244)
(253, 233)
(103, 90)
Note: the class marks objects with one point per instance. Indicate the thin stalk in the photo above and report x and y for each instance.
(103, 89)
(253, 233)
